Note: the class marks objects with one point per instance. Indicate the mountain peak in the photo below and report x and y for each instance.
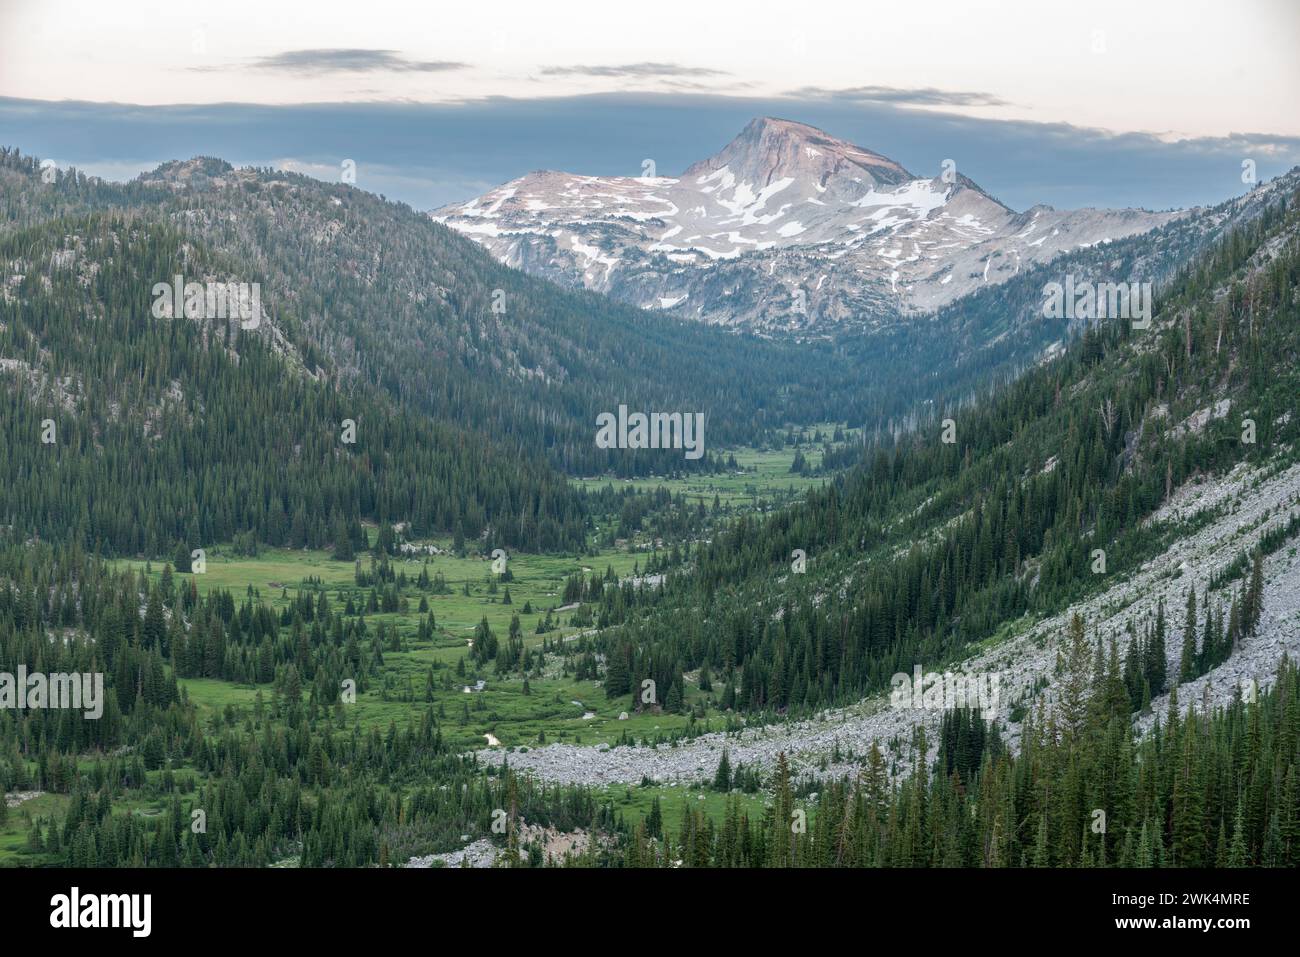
(769, 149)
(198, 172)
(783, 207)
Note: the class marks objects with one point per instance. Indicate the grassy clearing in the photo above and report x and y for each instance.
(635, 803)
(551, 709)
(762, 476)
(556, 708)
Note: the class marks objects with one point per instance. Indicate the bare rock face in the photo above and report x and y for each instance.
(787, 229)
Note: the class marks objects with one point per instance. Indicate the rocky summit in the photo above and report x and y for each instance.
(787, 229)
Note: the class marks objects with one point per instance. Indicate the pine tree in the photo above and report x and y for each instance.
(343, 551)
(1237, 850)
(722, 779)
(655, 820)
(1255, 595)
(1076, 680)
(1187, 662)
(1187, 806)
(617, 679)
(1156, 661)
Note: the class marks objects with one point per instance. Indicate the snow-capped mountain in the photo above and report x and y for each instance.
(787, 228)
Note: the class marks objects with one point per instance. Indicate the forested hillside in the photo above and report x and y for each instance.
(381, 296)
(133, 435)
(1218, 790)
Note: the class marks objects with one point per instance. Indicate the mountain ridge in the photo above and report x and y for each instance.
(785, 229)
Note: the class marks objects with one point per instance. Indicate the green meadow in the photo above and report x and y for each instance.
(508, 712)
(762, 475)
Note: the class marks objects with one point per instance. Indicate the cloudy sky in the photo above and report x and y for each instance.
(1152, 103)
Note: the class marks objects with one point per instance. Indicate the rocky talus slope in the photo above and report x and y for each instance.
(1242, 506)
